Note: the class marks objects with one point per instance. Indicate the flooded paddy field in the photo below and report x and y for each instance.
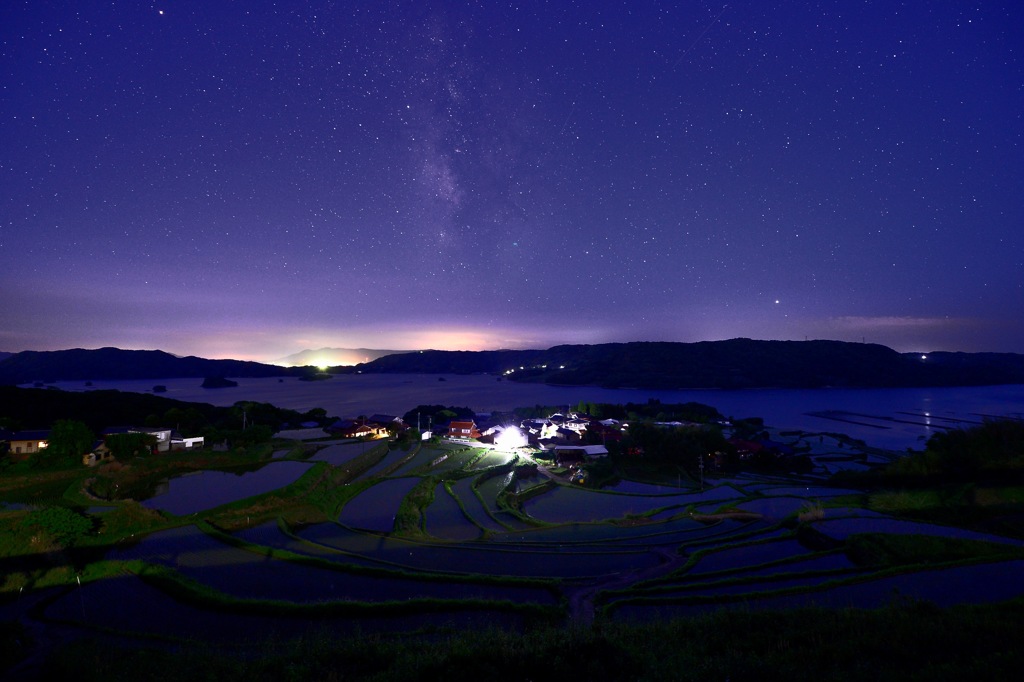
(202, 490)
(437, 536)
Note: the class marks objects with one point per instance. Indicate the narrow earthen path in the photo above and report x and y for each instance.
(581, 596)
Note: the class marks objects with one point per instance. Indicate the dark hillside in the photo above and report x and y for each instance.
(116, 364)
(736, 363)
(976, 368)
(28, 408)
(448, 362)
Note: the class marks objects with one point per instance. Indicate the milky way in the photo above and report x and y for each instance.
(250, 179)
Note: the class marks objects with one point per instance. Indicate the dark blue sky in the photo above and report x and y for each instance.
(247, 179)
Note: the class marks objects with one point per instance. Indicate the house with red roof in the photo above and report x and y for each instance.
(463, 429)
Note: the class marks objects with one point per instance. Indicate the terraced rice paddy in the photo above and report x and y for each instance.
(472, 556)
(208, 489)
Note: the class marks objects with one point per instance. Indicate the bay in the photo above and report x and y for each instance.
(890, 418)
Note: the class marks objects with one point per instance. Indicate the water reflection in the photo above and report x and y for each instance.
(901, 410)
(207, 489)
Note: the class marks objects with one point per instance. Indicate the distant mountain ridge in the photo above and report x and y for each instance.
(736, 363)
(80, 364)
(332, 357)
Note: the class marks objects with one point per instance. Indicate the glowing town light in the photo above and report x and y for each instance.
(924, 357)
(509, 437)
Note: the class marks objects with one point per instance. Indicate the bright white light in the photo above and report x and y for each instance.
(322, 368)
(509, 437)
(924, 357)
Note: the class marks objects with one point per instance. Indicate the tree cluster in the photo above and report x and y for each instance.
(992, 446)
(436, 414)
(653, 409)
(683, 446)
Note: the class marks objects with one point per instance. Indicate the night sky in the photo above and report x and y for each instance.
(248, 179)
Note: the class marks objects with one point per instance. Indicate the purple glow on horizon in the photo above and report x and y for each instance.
(249, 180)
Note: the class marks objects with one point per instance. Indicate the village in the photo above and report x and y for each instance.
(21, 445)
(566, 441)
(569, 440)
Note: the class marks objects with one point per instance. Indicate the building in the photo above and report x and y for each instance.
(24, 443)
(570, 455)
(463, 429)
(386, 420)
(352, 428)
(178, 442)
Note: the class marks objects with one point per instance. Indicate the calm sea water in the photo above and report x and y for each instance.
(895, 418)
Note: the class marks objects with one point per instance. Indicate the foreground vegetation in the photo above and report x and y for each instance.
(971, 478)
(905, 641)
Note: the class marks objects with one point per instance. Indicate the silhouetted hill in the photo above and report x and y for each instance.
(736, 363)
(447, 362)
(116, 364)
(29, 408)
(4, 355)
(983, 368)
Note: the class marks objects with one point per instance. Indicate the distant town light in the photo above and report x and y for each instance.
(924, 357)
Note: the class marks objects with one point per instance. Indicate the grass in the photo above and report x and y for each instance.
(984, 507)
(811, 511)
(409, 518)
(190, 591)
(885, 550)
(38, 487)
(384, 570)
(904, 642)
(991, 497)
(33, 560)
(899, 501)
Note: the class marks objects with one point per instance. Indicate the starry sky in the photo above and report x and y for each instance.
(249, 179)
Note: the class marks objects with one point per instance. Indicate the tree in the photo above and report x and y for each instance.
(124, 446)
(69, 440)
(682, 446)
(317, 414)
(60, 524)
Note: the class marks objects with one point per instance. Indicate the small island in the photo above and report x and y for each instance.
(219, 382)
